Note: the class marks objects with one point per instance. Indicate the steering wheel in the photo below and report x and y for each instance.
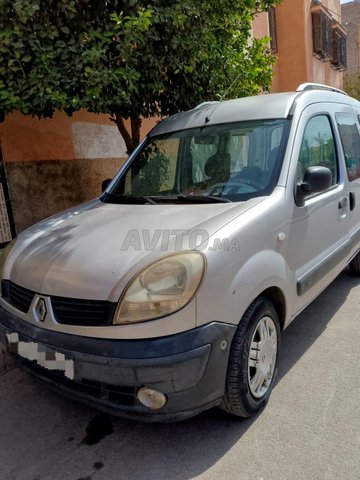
(242, 181)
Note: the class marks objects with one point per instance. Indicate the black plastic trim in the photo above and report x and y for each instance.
(132, 349)
(309, 279)
(189, 368)
(67, 311)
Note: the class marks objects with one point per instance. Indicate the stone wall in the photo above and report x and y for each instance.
(39, 189)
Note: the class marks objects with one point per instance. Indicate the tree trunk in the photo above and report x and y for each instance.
(135, 130)
(131, 140)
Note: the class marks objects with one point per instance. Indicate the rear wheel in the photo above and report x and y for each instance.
(253, 360)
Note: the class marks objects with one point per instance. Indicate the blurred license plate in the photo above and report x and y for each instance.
(41, 355)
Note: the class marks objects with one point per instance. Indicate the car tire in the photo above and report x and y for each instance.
(355, 265)
(252, 367)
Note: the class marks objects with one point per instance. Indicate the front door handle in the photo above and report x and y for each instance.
(352, 200)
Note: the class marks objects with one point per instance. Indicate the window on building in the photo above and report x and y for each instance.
(318, 147)
(338, 60)
(272, 30)
(350, 139)
(322, 32)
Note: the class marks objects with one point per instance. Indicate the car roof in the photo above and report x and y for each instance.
(260, 107)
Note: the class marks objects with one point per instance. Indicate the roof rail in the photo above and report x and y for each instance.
(318, 86)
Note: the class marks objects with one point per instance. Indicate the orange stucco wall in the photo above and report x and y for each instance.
(296, 63)
(293, 48)
(25, 138)
(260, 26)
(53, 164)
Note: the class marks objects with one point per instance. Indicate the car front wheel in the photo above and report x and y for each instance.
(253, 360)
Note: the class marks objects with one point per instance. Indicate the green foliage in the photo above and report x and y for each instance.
(128, 58)
(352, 85)
(150, 172)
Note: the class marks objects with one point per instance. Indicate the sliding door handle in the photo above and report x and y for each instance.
(352, 200)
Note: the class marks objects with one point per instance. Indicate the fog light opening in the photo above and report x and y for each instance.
(151, 398)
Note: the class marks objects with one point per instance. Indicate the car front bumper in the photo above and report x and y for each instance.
(189, 368)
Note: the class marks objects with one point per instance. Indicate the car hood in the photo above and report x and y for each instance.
(92, 251)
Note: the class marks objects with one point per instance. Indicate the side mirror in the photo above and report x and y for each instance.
(105, 184)
(316, 179)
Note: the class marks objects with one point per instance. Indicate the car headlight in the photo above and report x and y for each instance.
(163, 287)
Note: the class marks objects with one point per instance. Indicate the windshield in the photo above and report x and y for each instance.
(230, 162)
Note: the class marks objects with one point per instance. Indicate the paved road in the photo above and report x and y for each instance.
(310, 429)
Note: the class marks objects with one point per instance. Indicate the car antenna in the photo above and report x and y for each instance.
(229, 88)
(207, 118)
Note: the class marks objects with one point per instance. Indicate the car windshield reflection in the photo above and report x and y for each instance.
(230, 162)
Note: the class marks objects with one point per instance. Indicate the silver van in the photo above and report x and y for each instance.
(167, 295)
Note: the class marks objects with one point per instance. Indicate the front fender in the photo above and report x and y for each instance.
(229, 292)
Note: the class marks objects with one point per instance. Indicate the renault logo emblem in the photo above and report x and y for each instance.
(40, 310)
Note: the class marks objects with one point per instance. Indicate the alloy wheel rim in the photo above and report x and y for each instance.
(262, 357)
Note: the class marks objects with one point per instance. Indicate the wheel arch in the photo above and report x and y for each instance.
(277, 297)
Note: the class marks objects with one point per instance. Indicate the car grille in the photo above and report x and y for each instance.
(70, 311)
(67, 311)
(18, 297)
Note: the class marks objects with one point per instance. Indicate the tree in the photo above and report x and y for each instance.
(352, 85)
(129, 59)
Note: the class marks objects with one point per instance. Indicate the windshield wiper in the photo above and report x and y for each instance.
(132, 199)
(155, 199)
(203, 198)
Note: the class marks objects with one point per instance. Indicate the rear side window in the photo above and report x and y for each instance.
(318, 147)
(350, 139)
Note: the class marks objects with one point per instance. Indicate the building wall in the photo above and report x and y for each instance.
(296, 63)
(351, 18)
(53, 164)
